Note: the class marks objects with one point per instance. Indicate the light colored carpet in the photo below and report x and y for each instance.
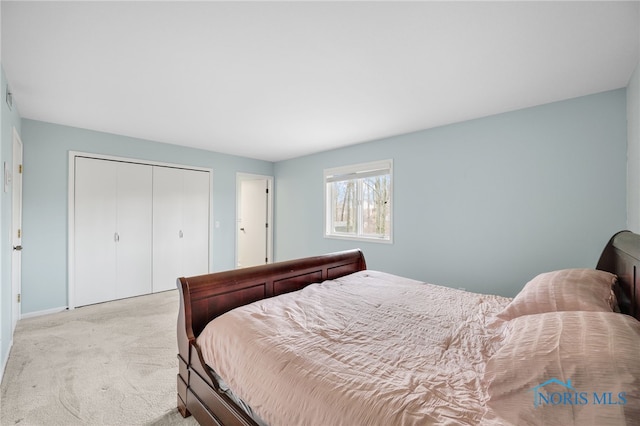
(108, 364)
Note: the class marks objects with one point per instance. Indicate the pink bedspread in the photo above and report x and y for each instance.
(369, 348)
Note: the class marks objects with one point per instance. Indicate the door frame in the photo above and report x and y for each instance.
(250, 176)
(71, 287)
(16, 227)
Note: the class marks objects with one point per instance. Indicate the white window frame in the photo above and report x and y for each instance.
(357, 171)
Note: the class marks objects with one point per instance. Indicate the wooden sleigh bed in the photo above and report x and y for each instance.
(201, 392)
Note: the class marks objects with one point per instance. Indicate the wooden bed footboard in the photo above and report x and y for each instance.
(205, 297)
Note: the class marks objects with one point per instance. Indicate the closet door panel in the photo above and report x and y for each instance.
(95, 227)
(195, 222)
(167, 222)
(134, 221)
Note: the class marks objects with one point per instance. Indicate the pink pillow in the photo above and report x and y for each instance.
(564, 290)
(566, 368)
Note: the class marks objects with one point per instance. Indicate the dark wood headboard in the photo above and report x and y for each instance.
(621, 256)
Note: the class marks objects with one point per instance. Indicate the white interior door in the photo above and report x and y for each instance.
(134, 228)
(181, 200)
(95, 230)
(167, 223)
(252, 222)
(195, 223)
(16, 229)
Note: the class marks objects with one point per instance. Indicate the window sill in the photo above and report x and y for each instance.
(359, 238)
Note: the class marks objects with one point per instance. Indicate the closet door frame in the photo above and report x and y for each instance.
(71, 285)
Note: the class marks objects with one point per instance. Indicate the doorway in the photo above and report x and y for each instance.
(254, 234)
(15, 177)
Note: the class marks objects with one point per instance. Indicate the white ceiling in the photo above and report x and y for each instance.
(278, 80)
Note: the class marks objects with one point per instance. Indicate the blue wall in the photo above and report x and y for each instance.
(484, 204)
(45, 204)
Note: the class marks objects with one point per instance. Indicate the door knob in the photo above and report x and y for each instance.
(17, 248)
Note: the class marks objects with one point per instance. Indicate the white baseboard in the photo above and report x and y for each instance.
(45, 312)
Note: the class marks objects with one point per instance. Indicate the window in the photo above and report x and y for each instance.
(358, 201)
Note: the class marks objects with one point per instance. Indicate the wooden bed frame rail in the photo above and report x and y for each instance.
(205, 297)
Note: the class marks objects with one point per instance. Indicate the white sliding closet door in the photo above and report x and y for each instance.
(180, 225)
(95, 228)
(195, 223)
(113, 230)
(135, 230)
(167, 223)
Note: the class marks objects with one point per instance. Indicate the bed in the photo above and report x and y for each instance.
(323, 340)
